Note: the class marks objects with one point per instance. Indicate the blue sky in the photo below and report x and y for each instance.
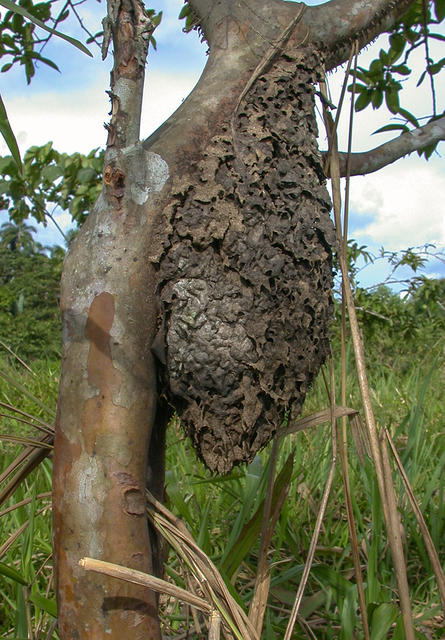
(398, 207)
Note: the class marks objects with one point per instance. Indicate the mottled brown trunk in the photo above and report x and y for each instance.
(214, 236)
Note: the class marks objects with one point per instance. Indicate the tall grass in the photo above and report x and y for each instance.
(224, 515)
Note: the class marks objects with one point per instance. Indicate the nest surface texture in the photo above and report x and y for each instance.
(246, 276)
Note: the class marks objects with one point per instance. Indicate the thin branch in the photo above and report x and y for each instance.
(387, 153)
(384, 480)
(427, 54)
(56, 224)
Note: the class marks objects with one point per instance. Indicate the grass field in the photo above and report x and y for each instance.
(224, 514)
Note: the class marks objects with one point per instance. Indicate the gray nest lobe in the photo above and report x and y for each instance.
(246, 276)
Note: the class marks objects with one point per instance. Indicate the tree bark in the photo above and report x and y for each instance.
(221, 216)
(369, 161)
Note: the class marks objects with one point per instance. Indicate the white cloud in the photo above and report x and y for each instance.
(407, 202)
(163, 94)
(74, 120)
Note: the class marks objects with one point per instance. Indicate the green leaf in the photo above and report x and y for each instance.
(349, 613)
(21, 625)
(16, 8)
(402, 69)
(439, 9)
(46, 61)
(383, 617)
(421, 79)
(86, 175)
(184, 11)
(8, 135)
(156, 19)
(250, 532)
(398, 44)
(436, 67)
(327, 576)
(377, 98)
(51, 173)
(13, 574)
(409, 116)
(392, 127)
(363, 100)
(46, 604)
(392, 100)
(376, 67)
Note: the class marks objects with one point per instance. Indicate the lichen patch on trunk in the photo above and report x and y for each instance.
(246, 277)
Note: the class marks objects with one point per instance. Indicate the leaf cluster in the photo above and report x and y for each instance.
(19, 40)
(384, 79)
(50, 179)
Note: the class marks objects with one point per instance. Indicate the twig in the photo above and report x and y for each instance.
(385, 484)
(431, 549)
(262, 581)
(145, 580)
(318, 524)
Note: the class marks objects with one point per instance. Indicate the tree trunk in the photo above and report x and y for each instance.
(214, 236)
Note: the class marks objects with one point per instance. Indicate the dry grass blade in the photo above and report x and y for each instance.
(9, 350)
(28, 459)
(17, 533)
(319, 521)
(12, 538)
(395, 537)
(29, 442)
(360, 437)
(215, 626)
(22, 457)
(28, 422)
(343, 434)
(145, 580)
(262, 581)
(353, 535)
(429, 544)
(23, 503)
(202, 568)
(27, 393)
(384, 480)
(315, 419)
(33, 419)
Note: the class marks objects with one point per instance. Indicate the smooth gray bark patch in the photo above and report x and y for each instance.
(246, 277)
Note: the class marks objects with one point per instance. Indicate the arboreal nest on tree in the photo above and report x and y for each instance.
(246, 276)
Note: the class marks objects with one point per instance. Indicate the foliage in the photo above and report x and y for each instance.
(50, 179)
(18, 42)
(383, 80)
(18, 36)
(29, 290)
(223, 512)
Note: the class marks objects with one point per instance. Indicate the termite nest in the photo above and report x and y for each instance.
(246, 276)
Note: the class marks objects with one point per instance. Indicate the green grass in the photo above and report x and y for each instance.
(224, 513)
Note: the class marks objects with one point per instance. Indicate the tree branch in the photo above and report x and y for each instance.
(389, 152)
(336, 25)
